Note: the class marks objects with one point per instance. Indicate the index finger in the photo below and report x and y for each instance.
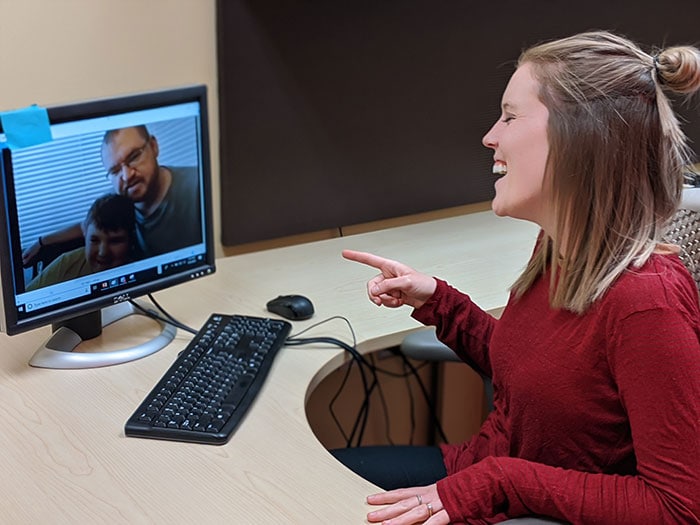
(366, 258)
(392, 496)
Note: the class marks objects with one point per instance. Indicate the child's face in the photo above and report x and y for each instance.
(106, 249)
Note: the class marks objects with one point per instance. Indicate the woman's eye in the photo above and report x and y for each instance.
(507, 119)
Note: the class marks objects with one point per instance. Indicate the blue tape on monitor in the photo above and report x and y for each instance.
(26, 127)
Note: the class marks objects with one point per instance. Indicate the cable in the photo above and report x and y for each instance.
(166, 314)
(363, 414)
(387, 422)
(331, 404)
(428, 400)
(412, 404)
(358, 429)
(167, 318)
(364, 366)
(324, 321)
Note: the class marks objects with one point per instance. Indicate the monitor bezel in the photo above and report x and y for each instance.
(84, 110)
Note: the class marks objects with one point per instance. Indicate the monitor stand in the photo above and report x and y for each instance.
(58, 350)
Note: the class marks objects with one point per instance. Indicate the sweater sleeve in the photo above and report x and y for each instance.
(460, 324)
(655, 360)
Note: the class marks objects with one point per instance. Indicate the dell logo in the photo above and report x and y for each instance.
(121, 298)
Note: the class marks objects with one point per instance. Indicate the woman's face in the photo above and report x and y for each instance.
(519, 142)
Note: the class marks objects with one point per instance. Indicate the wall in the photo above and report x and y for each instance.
(57, 51)
(351, 112)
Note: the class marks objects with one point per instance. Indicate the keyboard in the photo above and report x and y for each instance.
(207, 391)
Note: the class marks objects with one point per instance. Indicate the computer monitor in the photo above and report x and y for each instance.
(121, 235)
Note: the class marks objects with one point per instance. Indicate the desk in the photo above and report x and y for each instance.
(63, 454)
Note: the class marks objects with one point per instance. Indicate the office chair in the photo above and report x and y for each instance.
(683, 230)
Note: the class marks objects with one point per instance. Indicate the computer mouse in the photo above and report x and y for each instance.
(294, 307)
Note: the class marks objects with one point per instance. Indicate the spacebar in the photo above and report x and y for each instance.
(236, 395)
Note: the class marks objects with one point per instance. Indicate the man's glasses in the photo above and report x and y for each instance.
(132, 160)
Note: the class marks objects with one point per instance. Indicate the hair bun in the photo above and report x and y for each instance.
(678, 68)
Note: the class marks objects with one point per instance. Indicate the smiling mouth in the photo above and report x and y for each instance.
(499, 168)
(130, 188)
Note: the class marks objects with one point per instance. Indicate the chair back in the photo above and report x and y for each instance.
(684, 231)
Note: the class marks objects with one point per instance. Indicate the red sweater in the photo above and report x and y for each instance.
(596, 417)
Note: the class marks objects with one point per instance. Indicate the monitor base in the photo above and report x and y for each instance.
(58, 351)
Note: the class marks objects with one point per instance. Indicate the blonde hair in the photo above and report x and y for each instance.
(616, 158)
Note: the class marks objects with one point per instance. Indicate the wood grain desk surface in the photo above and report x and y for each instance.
(63, 454)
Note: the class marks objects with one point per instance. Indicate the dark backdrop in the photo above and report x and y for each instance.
(341, 112)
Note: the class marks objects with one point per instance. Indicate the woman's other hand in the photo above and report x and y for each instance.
(407, 506)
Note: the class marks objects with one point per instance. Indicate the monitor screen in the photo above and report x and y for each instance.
(117, 204)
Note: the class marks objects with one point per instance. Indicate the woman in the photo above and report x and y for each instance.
(596, 359)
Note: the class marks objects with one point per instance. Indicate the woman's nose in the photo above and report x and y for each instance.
(489, 139)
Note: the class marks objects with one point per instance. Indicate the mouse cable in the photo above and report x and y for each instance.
(354, 345)
(324, 321)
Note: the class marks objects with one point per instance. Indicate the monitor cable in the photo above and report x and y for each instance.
(165, 318)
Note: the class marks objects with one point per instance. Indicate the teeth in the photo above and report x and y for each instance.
(499, 169)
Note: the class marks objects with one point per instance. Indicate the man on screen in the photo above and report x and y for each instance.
(166, 198)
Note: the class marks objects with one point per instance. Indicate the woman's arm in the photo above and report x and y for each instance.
(656, 367)
(460, 324)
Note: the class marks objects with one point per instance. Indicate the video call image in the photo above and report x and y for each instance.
(100, 200)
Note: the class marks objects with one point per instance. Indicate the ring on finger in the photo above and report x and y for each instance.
(420, 499)
(430, 509)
